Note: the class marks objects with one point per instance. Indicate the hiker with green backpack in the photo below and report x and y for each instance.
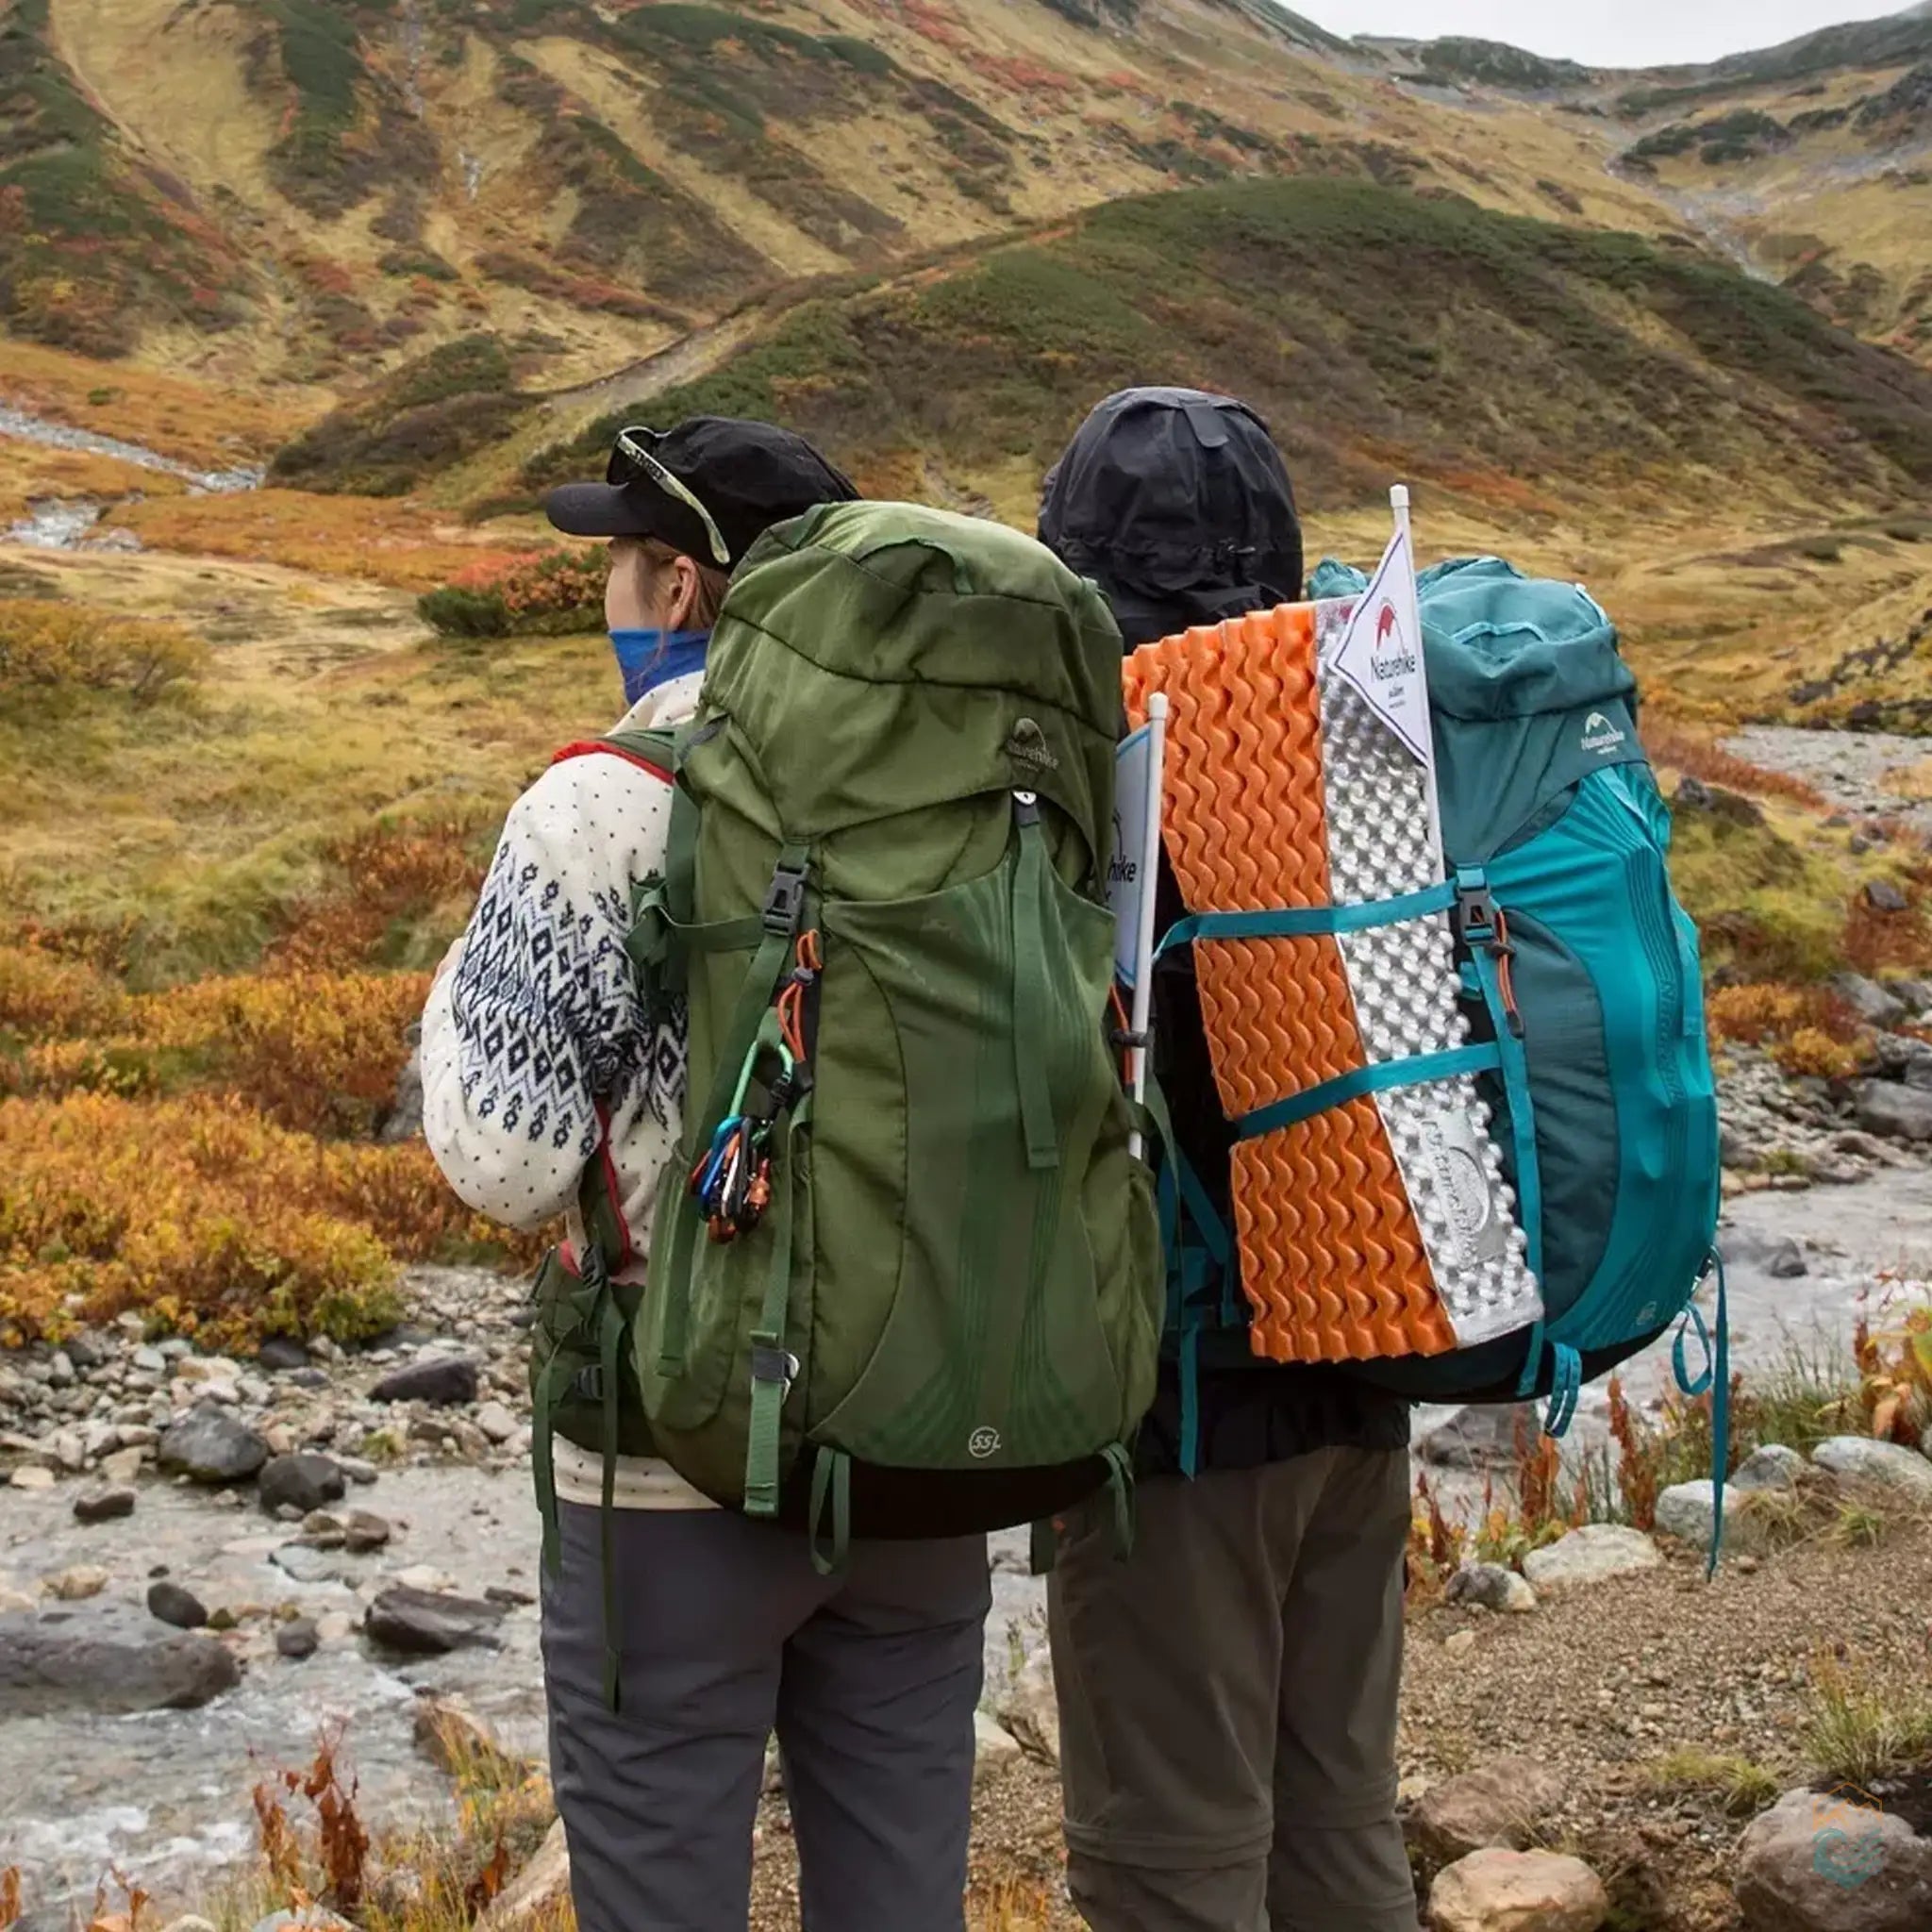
(1227, 1695)
(794, 991)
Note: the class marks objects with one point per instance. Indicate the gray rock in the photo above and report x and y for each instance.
(309, 1379)
(1883, 896)
(1900, 1113)
(1917, 994)
(1889, 1463)
(497, 1422)
(1777, 1255)
(1869, 1001)
(282, 1352)
(104, 1506)
(1492, 1586)
(405, 1119)
(1833, 1863)
(1479, 1437)
(176, 1605)
(311, 1917)
(306, 1564)
(212, 1446)
(363, 1531)
(106, 1668)
(1031, 1712)
(443, 1380)
(538, 1893)
(1591, 1554)
(1772, 1467)
(298, 1638)
(1500, 1804)
(425, 1623)
(1687, 1512)
(302, 1482)
(1500, 1890)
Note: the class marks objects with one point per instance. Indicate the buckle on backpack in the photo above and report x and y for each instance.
(785, 899)
(769, 1364)
(587, 1385)
(1475, 914)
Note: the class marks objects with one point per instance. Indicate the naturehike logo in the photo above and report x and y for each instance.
(1028, 745)
(1389, 659)
(983, 1442)
(1121, 870)
(1599, 734)
(1847, 1836)
(1477, 1233)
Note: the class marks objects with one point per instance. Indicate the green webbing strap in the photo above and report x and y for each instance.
(1032, 995)
(1042, 1547)
(831, 1480)
(1307, 921)
(609, 1344)
(543, 1459)
(1412, 1071)
(740, 1033)
(1119, 1483)
(772, 1368)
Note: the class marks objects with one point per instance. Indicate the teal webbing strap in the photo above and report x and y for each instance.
(1515, 1071)
(1532, 1363)
(1190, 1393)
(1694, 1318)
(1566, 1386)
(1200, 1210)
(1720, 1422)
(1032, 996)
(831, 1483)
(1377, 1078)
(772, 1368)
(1307, 922)
(740, 1033)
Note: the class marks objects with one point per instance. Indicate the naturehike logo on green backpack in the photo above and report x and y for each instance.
(1027, 745)
(1599, 734)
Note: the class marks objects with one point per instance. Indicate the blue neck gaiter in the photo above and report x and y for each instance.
(650, 657)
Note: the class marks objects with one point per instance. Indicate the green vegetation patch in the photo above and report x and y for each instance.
(1494, 64)
(1742, 136)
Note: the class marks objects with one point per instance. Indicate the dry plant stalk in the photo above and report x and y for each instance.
(10, 1897)
(1637, 1458)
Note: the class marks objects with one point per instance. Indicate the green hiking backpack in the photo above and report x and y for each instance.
(906, 1279)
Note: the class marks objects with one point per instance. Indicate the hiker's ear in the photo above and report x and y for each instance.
(682, 588)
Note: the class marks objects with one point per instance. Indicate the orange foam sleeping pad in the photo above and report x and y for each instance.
(1332, 1259)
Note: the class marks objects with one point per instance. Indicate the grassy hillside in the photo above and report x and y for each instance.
(1513, 363)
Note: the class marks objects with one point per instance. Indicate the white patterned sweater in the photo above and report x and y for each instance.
(536, 1038)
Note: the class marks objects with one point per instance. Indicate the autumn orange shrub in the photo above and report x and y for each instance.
(212, 1220)
(1876, 942)
(42, 994)
(548, 594)
(389, 872)
(1806, 1029)
(1671, 744)
(1895, 1377)
(47, 647)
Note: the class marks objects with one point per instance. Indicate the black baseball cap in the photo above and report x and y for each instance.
(1179, 505)
(710, 488)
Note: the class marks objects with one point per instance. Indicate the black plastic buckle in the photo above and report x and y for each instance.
(1125, 1039)
(1475, 914)
(769, 1364)
(785, 900)
(587, 1385)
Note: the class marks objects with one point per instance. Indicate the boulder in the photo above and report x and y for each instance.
(176, 1605)
(1871, 1002)
(305, 1563)
(423, 1623)
(445, 1381)
(1883, 896)
(1500, 1805)
(404, 1121)
(75, 1584)
(104, 1506)
(282, 1352)
(1589, 1554)
(1492, 1586)
(108, 1669)
(538, 1893)
(456, 1739)
(1479, 1437)
(1900, 1113)
(310, 1918)
(1889, 1463)
(497, 1422)
(1772, 1467)
(31, 1476)
(14, 1603)
(1030, 1710)
(303, 1482)
(1518, 1892)
(1833, 1863)
(1688, 1511)
(189, 1922)
(212, 1446)
(363, 1531)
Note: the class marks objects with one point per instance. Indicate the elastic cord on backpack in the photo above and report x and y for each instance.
(1715, 1376)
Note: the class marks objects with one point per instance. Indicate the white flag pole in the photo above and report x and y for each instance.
(1150, 873)
(1398, 503)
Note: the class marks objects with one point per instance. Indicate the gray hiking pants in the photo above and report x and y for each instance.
(1228, 1701)
(870, 1679)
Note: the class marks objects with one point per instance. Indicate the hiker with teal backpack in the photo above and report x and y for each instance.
(1228, 1694)
(794, 990)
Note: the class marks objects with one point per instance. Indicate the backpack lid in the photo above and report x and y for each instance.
(1177, 503)
(1500, 645)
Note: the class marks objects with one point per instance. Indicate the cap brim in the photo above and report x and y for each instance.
(599, 510)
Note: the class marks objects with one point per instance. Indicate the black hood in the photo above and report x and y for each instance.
(1177, 503)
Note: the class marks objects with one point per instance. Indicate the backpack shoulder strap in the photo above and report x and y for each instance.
(653, 751)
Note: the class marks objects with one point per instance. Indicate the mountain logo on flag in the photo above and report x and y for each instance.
(1389, 659)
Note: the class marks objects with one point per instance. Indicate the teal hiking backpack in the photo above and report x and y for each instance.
(905, 1278)
(1557, 840)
